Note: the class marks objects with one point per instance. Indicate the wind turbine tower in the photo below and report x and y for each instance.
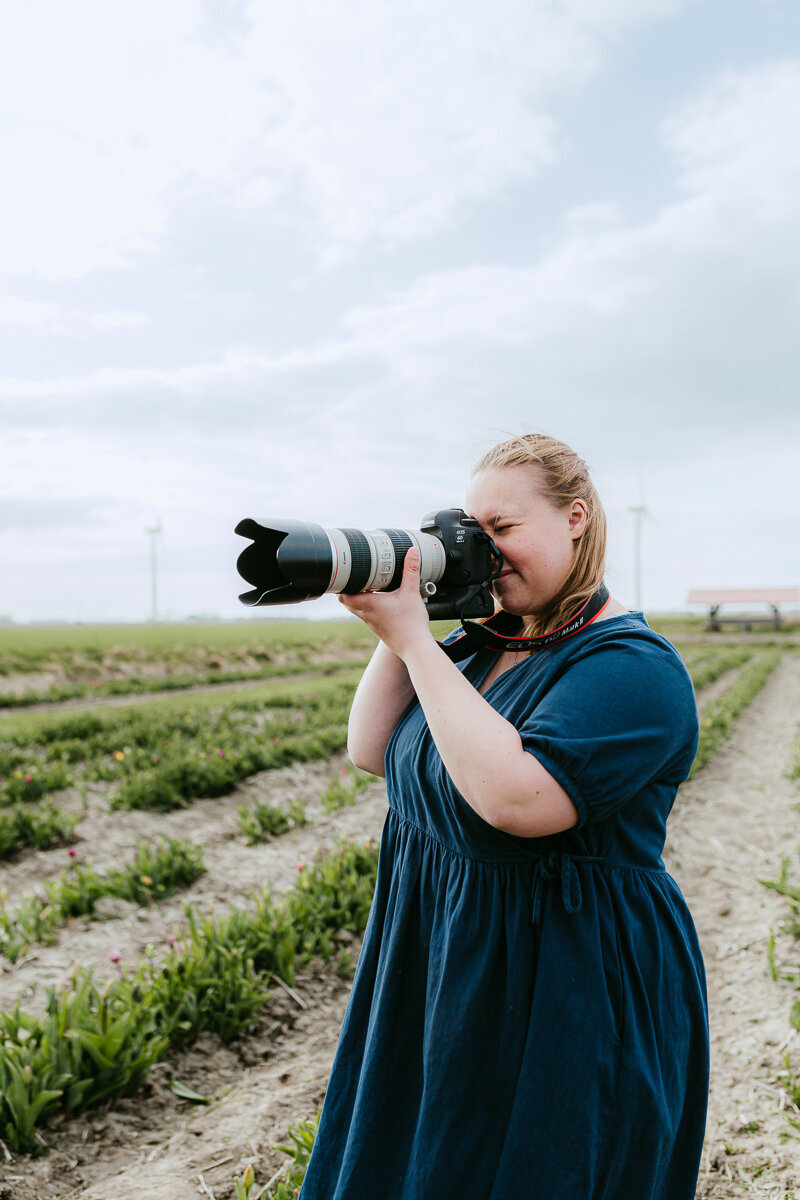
(639, 513)
(154, 533)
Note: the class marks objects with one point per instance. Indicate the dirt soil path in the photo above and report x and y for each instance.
(731, 826)
(235, 870)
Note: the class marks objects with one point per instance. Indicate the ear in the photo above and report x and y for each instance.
(578, 517)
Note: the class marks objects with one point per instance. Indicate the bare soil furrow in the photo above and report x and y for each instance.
(107, 837)
(717, 688)
(235, 870)
(732, 826)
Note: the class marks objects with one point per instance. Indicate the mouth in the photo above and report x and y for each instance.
(506, 573)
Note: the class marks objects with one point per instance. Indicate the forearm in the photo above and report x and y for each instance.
(382, 696)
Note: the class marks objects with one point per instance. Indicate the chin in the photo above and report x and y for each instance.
(515, 610)
(517, 607)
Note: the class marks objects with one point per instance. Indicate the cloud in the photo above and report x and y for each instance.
(38, 513)
(687, 309)
(15, 311)
(389, 121)
(399, 119)
(689, 314)
(117, 320)
(106, 109)
(733, 143)
(664, 346)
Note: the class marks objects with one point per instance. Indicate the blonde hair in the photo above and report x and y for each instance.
(562, 477)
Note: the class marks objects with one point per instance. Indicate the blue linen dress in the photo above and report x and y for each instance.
(528, 1019)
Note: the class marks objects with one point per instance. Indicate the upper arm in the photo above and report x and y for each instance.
(534, 803)
(619, 717)
(381, 699)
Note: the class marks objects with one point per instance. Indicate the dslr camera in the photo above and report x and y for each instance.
(290, 561)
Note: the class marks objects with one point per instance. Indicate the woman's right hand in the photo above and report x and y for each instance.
(399, 618)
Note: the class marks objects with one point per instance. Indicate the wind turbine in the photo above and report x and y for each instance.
(639, 511)
(154, 533)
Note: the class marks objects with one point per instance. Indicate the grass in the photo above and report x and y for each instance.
(262, 821)
(342, 792)
(672, 625)
(36, 641)
(42, 826)
(794, 770)
(286, 1184)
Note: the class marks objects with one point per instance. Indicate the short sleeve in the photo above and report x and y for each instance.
(621, 716)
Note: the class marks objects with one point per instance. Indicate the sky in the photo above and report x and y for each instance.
(311, 258)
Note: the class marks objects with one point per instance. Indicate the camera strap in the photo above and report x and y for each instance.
(501, 631)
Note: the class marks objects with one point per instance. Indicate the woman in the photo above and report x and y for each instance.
(528, 1019)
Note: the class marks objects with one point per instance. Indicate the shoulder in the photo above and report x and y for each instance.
(625, 651)
(611, 709)
(628, 630)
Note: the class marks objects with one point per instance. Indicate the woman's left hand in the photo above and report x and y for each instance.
(399, 618)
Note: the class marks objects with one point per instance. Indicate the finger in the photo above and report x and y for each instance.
(411, 569)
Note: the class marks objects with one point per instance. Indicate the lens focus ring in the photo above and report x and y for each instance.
(361, 556)
(401, 544)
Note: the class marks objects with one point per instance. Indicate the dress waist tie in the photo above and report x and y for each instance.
(552, 866)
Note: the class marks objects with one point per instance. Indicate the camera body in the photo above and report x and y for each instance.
(290, 561)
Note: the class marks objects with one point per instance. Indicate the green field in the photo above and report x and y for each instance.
(255, 758)
(35, 642)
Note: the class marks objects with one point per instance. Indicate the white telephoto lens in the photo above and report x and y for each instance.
(371, 560)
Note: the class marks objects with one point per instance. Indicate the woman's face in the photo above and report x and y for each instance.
(536, 539)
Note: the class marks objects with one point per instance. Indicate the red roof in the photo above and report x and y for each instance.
(744, 596)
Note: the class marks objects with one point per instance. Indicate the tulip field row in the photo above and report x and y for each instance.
(159, 756)
(99, 1037)
(707, 663)
(100, 1031)
(718, 716)
(111, 744)
(96, 1041)
(135, 686)
(157, 870)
